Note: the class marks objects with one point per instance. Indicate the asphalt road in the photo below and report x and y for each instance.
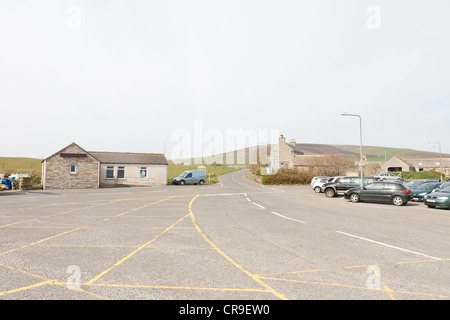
(233, 240)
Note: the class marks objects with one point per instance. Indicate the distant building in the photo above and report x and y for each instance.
(322, 158)
(75, 168)
(281, 154)
(397, 164)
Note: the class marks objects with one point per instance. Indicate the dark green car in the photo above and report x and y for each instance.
(424, 189)
(438, 199)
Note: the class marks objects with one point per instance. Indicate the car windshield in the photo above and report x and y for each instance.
(414, 183)
(184, 174)
(446, 190)
(445, 184)
(426, 186)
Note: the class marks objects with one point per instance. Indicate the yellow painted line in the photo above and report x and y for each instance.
(389, 291)
(37, 227)
(46, 281)
(11, 224)
(86, 226)
(179, 287)
(319, 283)
(84, 246)
(385, 289)
(289, 272)
(352, 267)
(25, 288)
(134, 252)
(223, 254)
(24, 272)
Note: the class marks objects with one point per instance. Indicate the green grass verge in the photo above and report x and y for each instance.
(174, 170)
(20, 165)
(423, 175)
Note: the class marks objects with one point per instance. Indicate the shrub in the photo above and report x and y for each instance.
(288, 176)
(432, 174)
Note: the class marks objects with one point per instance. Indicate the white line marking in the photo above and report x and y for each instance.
(388, 245)
(258, 205)
(280, 215)
(221, 194)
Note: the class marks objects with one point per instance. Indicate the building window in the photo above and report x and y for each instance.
(73, 169)
(121, 172)
(143, 172)
(109, 172)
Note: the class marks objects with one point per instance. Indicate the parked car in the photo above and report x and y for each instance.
(317, 185)
(313, 180)
(190, 177)
(423, 189)
(386, 176)
(442, 186)
(413, 184)
(438, 199)
(381, 192)
(342, 184)
(330, 180)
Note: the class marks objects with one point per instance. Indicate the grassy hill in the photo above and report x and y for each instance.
(373, 153)
(20, 165)
(376, 153)
(240, 157)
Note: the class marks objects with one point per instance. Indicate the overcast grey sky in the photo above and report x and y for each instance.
(125, 75)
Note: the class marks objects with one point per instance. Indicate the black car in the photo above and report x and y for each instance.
(342, 184)
(381, 192)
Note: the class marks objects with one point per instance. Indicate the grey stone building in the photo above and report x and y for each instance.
(75, 168)
(397, 164)
(70, 168)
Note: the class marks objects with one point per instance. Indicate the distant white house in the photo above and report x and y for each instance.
(282, 155)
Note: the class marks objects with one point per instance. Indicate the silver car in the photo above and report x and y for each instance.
(387, 177)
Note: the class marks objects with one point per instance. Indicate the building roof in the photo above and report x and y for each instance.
(73, 144)
(129, 157)
(430, 162)
(306, 160)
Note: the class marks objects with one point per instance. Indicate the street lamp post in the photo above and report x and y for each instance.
(440, 157)
(346, 114)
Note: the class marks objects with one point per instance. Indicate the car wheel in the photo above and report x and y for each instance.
(201, 182)
(330, 193)
(317, 190)
(182, 182)
(354, 197)
(398, 201)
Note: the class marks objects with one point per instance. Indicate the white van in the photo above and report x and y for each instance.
(190, 177)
